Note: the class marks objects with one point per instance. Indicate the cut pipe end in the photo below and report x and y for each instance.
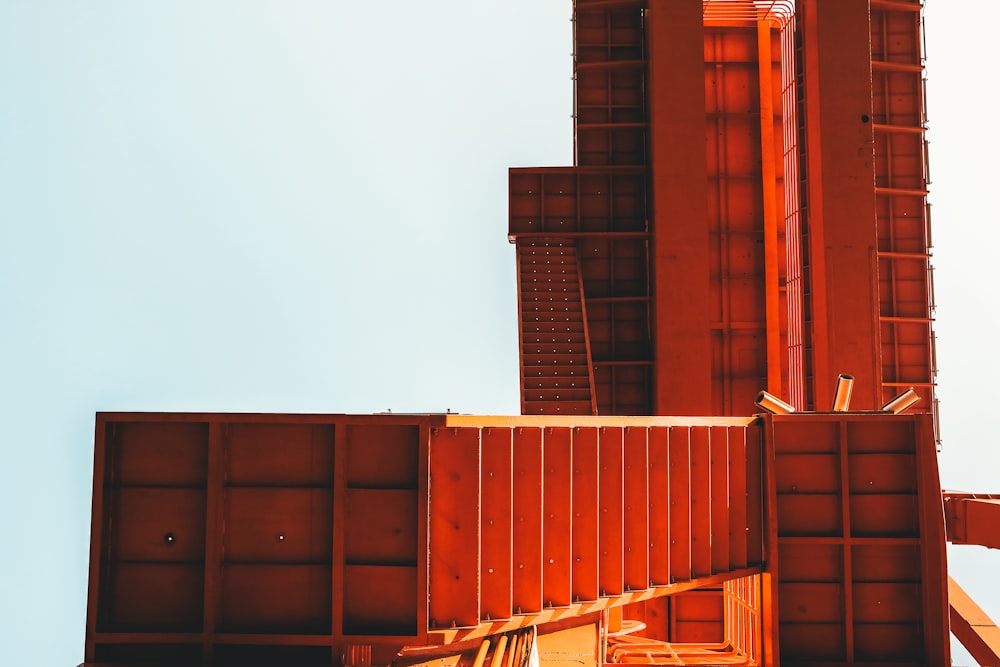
(842, 396)
(901, 402)
(773, 404)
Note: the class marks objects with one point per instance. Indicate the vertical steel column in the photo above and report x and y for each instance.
(676, 85)
(769, 182)
(840, 180)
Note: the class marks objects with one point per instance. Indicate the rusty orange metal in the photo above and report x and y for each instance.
(705, 126)
(213, 531)
(973, 627)
(973, 518)
(860, 537)
(311, 535)
(746, 211)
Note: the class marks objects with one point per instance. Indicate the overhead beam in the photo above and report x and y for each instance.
(973, 519)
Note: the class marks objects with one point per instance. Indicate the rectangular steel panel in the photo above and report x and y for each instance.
(637, 530)
(152, 597)
(697, 617)
(275, 598)
(279, 454)
(278, 525)
(610, 497)
(454, 504)
(659, 506)
(739, 498)
(382, 455)
(680, 504)
(586, 544)
(380, 600)
(701, 503)
(158, 524)
(159, 454)
(496, 523)
(380, 527)
(557, 519)
(527, 547)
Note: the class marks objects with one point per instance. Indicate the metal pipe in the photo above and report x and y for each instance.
(901, 402)
(498, 652)
(842, 397)
(481, 655)
(510, 660)
(773, 404)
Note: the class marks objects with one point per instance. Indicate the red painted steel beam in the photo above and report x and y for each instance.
(973, 627)
(973, 519)
(676, 80)
(840, 175)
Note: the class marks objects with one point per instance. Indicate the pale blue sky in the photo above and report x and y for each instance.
(301, 206)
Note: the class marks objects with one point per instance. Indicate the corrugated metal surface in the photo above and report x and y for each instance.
(599, 515)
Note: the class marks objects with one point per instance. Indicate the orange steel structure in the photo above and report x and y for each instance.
(747, 211)
(311, 539)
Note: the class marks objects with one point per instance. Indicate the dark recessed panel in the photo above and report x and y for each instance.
(381, 527)
(278, 525)
(280, 454)
(380, 600)
(382, 456)
(293, 599)
(158, 524)
(153, 597)
(156, 453)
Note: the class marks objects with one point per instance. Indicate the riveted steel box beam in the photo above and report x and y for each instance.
(860, 538)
